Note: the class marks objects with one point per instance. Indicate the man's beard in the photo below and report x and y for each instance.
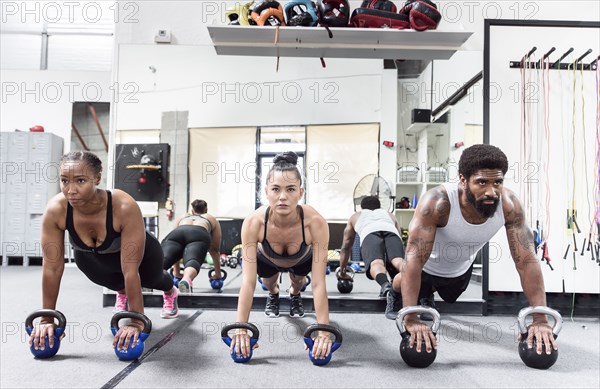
(485, 210)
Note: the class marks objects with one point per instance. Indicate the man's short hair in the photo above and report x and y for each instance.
(479, 157)
(370, 202)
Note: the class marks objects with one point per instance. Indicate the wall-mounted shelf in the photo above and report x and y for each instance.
(344, 43)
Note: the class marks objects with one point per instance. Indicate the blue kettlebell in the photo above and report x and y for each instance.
(410, 355)
(134, 351)
(253, 339)
(327, 270)
(47, 352)
(218, 283)
(306, 284)
(529, 356)
(310, 342)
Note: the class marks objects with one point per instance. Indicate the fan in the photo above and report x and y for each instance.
(373, 185)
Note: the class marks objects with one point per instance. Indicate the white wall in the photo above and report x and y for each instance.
(34, 97)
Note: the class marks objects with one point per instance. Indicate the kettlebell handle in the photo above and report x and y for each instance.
(114, 322)
(62, 320)
(248, 326)
(418, 309)
(348, 269)
(211, 272)
(523, 313)
(323, 327)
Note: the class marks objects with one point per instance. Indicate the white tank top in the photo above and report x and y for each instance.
(372, 221)
(457, 244)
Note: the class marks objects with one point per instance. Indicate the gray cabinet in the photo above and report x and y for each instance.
(30, 177)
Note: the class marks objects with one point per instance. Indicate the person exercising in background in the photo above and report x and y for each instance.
(110, 243)
(458, 219)
(380, 247)
(195, 234)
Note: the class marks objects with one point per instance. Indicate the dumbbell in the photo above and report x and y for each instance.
(133, 351)
(529, 356)
(253, 339)
(410, 355)
(310, 342)
(345, 285)
(47, 351)
(218, 283)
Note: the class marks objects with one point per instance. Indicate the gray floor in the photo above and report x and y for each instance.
(187, 352)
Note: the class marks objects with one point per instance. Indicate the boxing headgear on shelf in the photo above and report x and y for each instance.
(423, 14)
(300, 13)
(377, 14)
(239, 15)
(333, 13)
(267, 13)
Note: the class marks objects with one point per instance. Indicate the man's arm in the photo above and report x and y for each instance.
(421, 235)
(521, 244)
(347, 243)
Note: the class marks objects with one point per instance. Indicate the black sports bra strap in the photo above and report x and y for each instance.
(302, 221)
(266, 220)
(109, 217)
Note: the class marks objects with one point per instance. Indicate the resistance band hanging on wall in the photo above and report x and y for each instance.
(535, 146)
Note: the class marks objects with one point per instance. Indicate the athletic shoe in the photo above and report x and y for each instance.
(185, 286)
(121, 303)
(393, 304)
(428, 302)
(296, 307)
(170, 309)
(385, 289)
(272, 308)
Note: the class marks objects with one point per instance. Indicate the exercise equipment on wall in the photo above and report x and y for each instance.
(535, 146)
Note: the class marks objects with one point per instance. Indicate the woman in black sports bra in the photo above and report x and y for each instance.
(195, 234)
(111, 246)
(284, 236)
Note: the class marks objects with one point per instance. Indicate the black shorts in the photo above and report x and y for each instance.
(449, 289)
(383, 245)
(266, 268)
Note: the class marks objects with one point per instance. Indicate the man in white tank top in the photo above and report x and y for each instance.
(381, 248)
(451, 224)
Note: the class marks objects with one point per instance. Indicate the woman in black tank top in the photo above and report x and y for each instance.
(285, 236)
(110, 244)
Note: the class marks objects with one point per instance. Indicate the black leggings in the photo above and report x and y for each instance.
(188, 242)
(105, 269)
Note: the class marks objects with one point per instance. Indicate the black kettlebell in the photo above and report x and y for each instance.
(529, 356)
(232, 261)
(47, 352)
(218, 283)
(410, 355)
(253, 339)
(133, 351)
(345, 285)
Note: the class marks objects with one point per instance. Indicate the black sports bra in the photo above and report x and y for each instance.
(267, 251)
(112, 243)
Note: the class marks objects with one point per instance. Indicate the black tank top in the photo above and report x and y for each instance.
(112, 243)
(267, 251)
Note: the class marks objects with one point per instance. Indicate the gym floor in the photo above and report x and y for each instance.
(187, 352)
